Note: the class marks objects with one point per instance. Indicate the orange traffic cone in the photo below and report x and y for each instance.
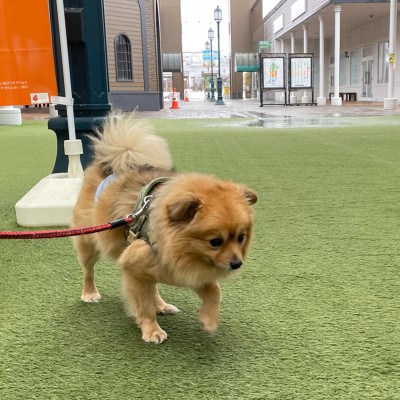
(186, 96)
(174, 105)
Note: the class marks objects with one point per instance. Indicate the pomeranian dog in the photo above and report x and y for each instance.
(189, 230)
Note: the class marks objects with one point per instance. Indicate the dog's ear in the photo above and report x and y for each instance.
(248, 194)
(183, 211)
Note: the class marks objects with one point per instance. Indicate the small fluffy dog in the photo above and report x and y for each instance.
(195, 231)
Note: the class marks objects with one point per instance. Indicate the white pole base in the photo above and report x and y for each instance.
(10, 116)
(336, 101)
(321, 101)
(305, 99)
(73, 149)
(293, 98)
(390, 103)
(50, 202)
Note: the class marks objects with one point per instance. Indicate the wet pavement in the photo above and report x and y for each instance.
(249, 113)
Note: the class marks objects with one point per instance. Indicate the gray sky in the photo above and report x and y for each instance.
(198, 17)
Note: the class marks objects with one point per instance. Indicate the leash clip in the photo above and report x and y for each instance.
(138, 220)
(146, 203)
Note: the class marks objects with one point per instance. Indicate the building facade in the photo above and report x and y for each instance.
(133, 54)
(241, 20)
(139, 36)
(349, 40)
(139, 39)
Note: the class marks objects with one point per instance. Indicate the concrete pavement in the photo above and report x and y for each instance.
(249, 108)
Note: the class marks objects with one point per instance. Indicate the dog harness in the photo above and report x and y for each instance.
(103, 184)
(139, 228)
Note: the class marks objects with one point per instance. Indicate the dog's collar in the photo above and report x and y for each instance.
(138, 229)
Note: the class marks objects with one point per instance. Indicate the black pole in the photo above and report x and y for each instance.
(159, 56)
(84, 20)
(212, 75)
(219, 79)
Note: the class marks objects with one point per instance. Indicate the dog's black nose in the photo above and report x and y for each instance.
(235, 264)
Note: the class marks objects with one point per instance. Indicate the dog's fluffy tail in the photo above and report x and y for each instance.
(126, 143)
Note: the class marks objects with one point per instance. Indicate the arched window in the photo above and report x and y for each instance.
(123, 58)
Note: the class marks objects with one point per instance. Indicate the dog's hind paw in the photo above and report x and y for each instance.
(167, 309)
(91, 297)
(156, 337)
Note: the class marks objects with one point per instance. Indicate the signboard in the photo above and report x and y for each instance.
(207, 81)
(273, 71)
(281, 72)
(300, 71)
(264, 45)
(27, 73)
(207, 56)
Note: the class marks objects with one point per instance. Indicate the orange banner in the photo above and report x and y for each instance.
(27, 73)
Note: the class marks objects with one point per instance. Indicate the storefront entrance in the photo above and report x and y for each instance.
(366, 93)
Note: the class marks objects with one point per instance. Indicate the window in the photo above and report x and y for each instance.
(383, 62)
(123, 58)
(354, 63)
(367, 52)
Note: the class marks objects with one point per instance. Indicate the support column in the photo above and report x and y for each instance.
(254, 85)
(305, 98)
(321, 99)
(282, 96)
(390, 102)
(292, 42)
(293, 98)
(336, 100)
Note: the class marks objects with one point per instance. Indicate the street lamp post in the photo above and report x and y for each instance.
(218, 19)
(211, 37)
(207, 46)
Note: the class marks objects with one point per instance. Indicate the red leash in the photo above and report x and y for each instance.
(48, 234)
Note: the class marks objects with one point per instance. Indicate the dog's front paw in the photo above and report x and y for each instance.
(156, 336)
(91, 297)
(209, 323)
(167, 309)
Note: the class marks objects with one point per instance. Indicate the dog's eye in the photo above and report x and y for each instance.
(216, 243)
(240, 238)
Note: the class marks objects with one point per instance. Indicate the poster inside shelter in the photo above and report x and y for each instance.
(300, 72)
(27, 74)
(273, 73)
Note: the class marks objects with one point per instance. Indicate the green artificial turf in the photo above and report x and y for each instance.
(315, 314)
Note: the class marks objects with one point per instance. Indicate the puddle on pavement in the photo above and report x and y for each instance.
(288, 121)
(332, 120)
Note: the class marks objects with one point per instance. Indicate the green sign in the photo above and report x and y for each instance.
(264, 45)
